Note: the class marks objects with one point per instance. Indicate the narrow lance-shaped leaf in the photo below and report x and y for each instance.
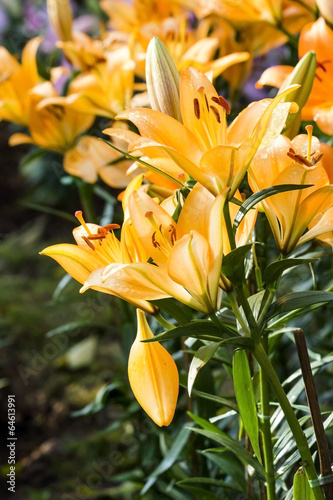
(201, 357)
(245, 398)
(274, 270)
(170, 458)
(202, 329)
(145, 164)
(261, 195)
(212, 432)
(297, 300)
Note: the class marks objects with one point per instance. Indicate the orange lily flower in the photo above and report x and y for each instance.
(318, 37)
(51, 126)
(291, 213)
(104, 90)
(188, 254)
(96, 248)
(91, 158)
(203, 146)
(16, 82)
(153, 375)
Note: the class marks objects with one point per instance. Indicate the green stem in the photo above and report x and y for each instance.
(237, 313)
(255, 329)
(86, 195)
(227, 220)
(267, 300)
(299, 436)
(291, 39)
(266, 431)
(163, 321)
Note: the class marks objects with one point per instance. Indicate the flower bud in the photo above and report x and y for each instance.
(153, 375)
(61, 17)
(162, 80)
(303, 74)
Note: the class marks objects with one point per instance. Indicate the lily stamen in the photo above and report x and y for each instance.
(222, 102)
(164, 244)
(196, 108)
(216, 113)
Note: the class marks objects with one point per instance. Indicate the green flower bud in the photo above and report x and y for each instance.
(162, 80)
(303, 74)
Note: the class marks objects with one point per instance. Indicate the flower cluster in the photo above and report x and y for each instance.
(194, 179)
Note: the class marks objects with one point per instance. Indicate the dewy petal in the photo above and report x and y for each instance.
(153, 375)
(165, 130)
(76, 261)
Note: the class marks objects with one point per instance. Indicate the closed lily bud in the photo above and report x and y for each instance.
(326, 9)
(61, 17)
(153, 375)
(303, 74)
(162, 80)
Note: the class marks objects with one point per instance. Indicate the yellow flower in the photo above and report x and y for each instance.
(51, 126)
(16, 82)
(187, 255)
(153, 375)
(104, 89)
(203, 146)
(291, 213)
(91, 158)
(96, 248)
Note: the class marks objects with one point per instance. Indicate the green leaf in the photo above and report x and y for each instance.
(273, 272)
(101, 399)
(207, 480)
(212, 432)
(201, 329)
(233, 264)
(144, 163)
(302, 489)
(170, 458)
(75, 325)
(201, 357)
(261, 195)
(181, 313)
(245, 398)
(229, 464)
(297, 300)
(201, 493)
(216, 399)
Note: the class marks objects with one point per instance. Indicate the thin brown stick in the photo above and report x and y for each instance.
(317, 421)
